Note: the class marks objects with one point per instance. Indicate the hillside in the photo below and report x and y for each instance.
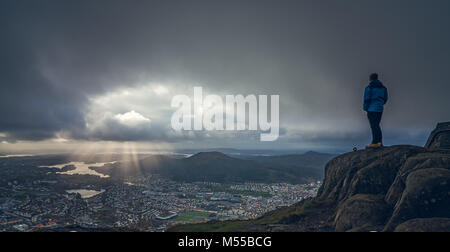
(398, 188)
(311, 162)
(218, 167)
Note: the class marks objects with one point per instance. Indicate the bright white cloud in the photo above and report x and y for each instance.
(132, 118)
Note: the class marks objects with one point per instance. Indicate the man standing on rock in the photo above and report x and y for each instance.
(375, 97)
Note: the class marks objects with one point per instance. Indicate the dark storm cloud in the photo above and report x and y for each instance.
(55, 55)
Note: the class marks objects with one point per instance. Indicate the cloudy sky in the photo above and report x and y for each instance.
(86, 72)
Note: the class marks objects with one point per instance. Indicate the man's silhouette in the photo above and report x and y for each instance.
(375, 96)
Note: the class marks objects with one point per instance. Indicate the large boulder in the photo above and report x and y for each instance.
(425, 225)
(426, 195)
(440, 137)
(435, 159)
(362, 212)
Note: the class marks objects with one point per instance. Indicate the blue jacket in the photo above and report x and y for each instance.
(375, 96)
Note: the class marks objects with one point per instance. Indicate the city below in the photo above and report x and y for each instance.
(35, 196)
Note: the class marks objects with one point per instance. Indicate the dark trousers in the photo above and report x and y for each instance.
(374, 120)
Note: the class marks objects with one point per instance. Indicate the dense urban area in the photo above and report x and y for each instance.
(35, 197)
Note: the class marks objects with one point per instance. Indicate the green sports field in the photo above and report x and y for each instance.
(190, 215)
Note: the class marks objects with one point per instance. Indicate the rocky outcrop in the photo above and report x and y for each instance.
(364, 172)
(403, 183)
(398, 188)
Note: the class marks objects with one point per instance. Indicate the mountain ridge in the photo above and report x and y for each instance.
(218, 167)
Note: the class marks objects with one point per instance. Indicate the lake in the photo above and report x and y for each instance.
(81, 168)
(85, 194)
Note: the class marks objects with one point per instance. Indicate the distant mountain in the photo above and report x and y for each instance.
(243, 153)
(218, 167)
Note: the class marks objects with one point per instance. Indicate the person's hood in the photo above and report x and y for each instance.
(376, 84)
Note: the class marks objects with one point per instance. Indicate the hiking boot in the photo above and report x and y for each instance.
(373, 146)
